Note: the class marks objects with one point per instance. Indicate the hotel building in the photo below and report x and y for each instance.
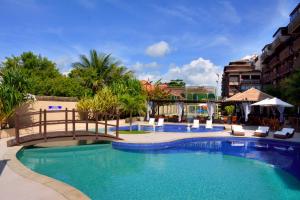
(240, 76)
(281, 57)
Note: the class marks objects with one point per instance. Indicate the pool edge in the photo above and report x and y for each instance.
(66, 190)
(166, 144)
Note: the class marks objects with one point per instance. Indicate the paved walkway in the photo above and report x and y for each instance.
(16, 187)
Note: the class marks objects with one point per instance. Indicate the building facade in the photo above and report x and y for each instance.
(239, 76)
(281, 57)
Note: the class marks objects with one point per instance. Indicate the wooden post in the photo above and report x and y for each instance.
(86, 121)
(45, 125)
(105, 124)
(73, 123)
(17, 132)
(66, 120)
(40, 121)
(117, 126)
(96, 124)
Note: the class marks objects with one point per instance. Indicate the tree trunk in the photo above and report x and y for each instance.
(130, 122)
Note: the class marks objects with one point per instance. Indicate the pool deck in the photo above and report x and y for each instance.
(18, 182)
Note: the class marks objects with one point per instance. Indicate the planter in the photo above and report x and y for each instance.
(234, 119)
(225, 119)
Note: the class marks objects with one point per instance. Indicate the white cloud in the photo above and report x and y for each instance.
(64, 63)
(198, 72)
(138, 66)
(158, 49)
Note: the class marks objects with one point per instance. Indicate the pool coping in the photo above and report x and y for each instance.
(122, 145)
(67, 191)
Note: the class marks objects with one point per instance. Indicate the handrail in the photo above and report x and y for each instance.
(43, 122)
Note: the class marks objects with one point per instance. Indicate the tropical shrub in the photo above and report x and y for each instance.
(105, 101)
(13, 92)
(132, 105)
(229, 110)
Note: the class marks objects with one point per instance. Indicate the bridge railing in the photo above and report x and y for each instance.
(71, 117)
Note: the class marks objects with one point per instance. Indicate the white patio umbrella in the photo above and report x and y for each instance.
(276, 103)
(272, 102)
(261, 103)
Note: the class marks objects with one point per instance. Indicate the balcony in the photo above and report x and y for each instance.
(283, 70)
(275, 61)
(250, 81)
(296, 44)
(279, 40)
(294, 25)
(267, 52)
(233, 83)
(285, 53)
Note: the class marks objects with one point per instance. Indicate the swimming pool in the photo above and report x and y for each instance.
(178, 128)
(202, 168)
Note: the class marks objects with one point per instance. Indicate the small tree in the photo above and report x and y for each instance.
(229, 110)
(132, 105)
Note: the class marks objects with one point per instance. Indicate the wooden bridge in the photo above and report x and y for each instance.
(39, 133)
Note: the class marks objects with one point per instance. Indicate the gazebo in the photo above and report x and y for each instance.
(250, 95)
(246, 98)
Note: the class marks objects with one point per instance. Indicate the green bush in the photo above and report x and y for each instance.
(229, 110)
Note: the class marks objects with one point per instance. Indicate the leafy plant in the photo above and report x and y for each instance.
(132, 105)
(13, 92)
(229, 110)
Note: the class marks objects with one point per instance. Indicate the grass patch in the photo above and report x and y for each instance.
(132, 132)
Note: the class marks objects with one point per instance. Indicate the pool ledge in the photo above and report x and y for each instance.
(170, 143)
(64, 189)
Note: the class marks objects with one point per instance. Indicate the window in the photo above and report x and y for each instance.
(255, 77)
(245, 77)
(233, 78)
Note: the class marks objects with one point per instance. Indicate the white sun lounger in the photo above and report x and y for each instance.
(208, 124)
(152, 121)
(160, 121)
(196, 123)
(262, 131)
(237, 130)
(284, 133)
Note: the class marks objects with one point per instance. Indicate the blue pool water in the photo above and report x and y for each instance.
(178, 128)
(188, 169)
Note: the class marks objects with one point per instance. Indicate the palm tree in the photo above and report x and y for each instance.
(132, 105)
(98, 70)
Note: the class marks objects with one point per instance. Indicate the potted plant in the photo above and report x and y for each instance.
(229, 111)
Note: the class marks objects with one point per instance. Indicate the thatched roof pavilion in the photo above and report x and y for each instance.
(250, 95)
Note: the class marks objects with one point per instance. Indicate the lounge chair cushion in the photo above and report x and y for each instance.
(160, 122)
(195, 123)
(262, 129)
(208, 124)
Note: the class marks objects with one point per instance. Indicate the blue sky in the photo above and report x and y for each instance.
(157, 39)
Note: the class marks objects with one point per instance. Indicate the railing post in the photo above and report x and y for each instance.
(96, 124)
(117, 126)
(45, 125)
(40, 121)
(86, 121)
(73, 122)
(105, 124)
(17, 131)
(66, 121)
